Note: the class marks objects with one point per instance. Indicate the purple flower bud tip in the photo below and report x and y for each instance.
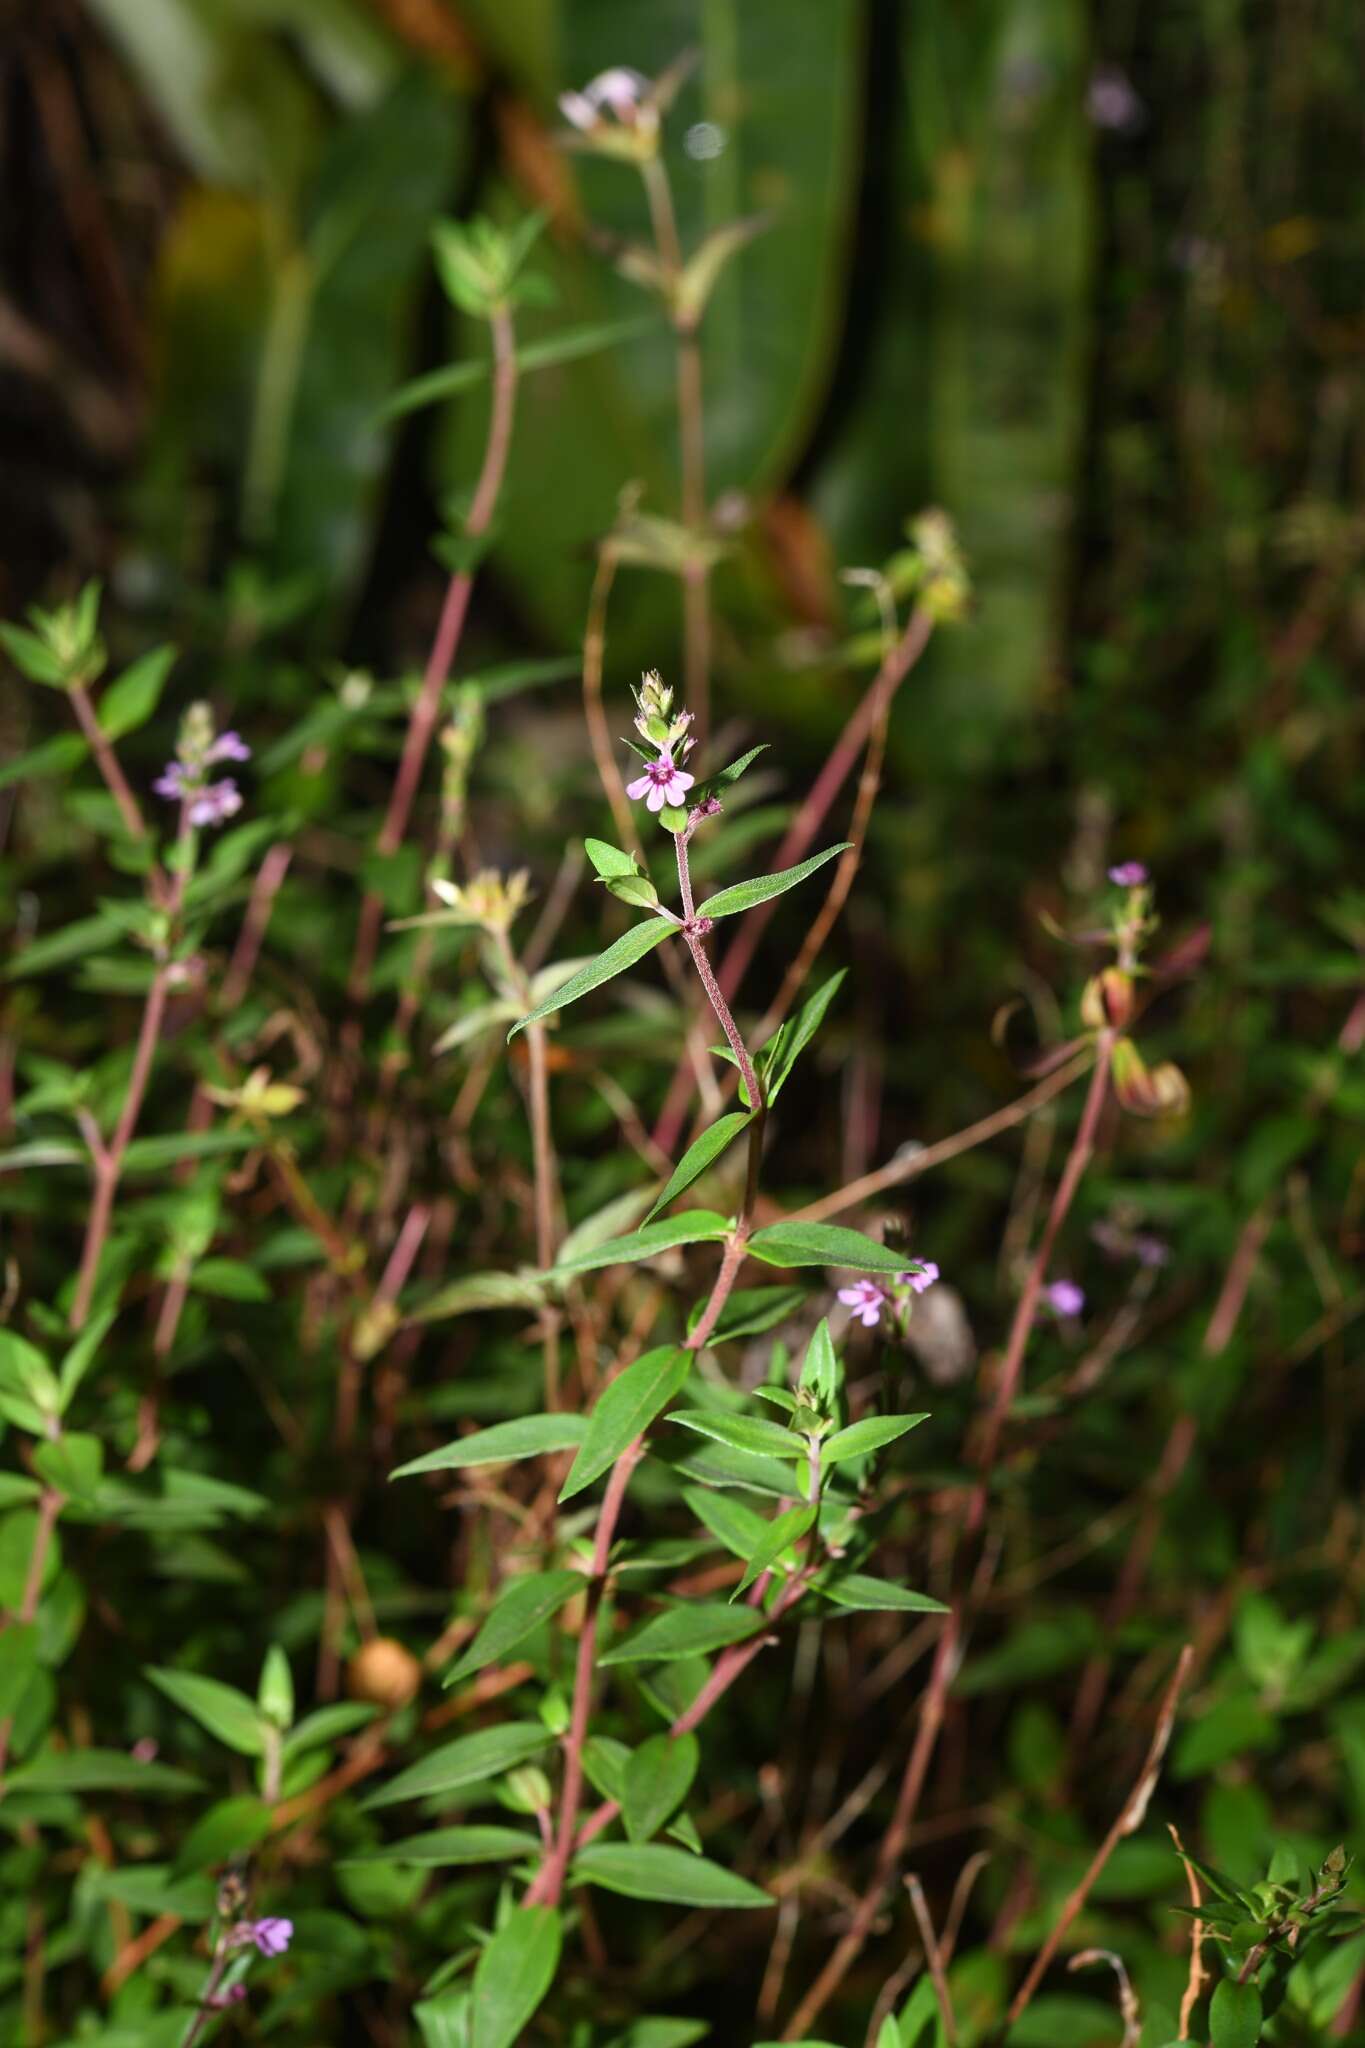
(1065, 1297)
(660, 784)
(867, 1300)
(1129, 874)
(917, 1282)
(214, 805)
(229, 746)
(272, 1937)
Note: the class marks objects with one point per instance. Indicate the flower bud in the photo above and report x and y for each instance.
(1158, 1091)
(1107, 1000)
(526, 1790)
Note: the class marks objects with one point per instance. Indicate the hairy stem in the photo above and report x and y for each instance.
(107, 762)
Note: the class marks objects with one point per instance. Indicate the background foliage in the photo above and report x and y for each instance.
(1090, 276)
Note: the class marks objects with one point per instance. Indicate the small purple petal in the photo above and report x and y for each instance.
(866, 1299)
(657, 798)
(171, 782)
(578, 110)
(1065, 1297)
(229, 746)
(640, 787)
(1129, 874)
(272, 1937)
(217, 803)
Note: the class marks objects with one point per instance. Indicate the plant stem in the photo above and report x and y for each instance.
(109, 1162)
(108, 762)
(1007, 1384)
(426, 710)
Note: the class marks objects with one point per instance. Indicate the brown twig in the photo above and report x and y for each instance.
(1130, 1819)
(1198, 1974)
(933, 1957)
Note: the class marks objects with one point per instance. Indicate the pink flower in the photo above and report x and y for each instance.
(867, 1300)
(661, 784)
(1065, 1297)
(272, 1937)
(1129, 874)
(620, 90)
(917, 1282)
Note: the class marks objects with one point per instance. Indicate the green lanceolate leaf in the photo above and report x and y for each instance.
(734, 1525)
(699, 1155)
(654, 1871)
(97, 1770)
(694, 1226)
(610, 862)
(529, 1436)
(786, 1045)
(822, 1244)
(226, 1713)
(538, 355)
(657, 1780)
(778, 1535)
(512, 1976)
(520, 1608)
(448, 1848)
(866, 1595)
(749, 1311)
(867, 1435)
(130, 701)
(1235, 2016)
(624, 1409)
(741, 1432)
(327, 1724)
(480, 1291)
(762, 889)
(470, 1760)
(630, 947)
(692, 1630)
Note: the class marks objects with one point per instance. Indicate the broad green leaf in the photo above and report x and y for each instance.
(15, 1488)
(868, 1435)
(97, 1770)
(480, 1291)
(130, 702)
(512, 1976)
(624, 1409)
(691, 1630)
(823, 1244)
(609, 861)
(528, 1436)
(762, 889)
(227, 1714)
(448, 1848)
(654, 1871)
(779, 1535)
(26, 1373)
(694, 1226)
(657, 1780)
(522, 1605)
(867, 1595)
(470, 1760)
(605, 1760)
(1235, 2015)
(734, 1525)
(570, 347)
(700, 1154)
(821, 1372)
(630, 947)
(73, 1464)
(741, 1432)
(230, 1279)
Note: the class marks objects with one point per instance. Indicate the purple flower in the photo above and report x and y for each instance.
(925, 1277)
(272, 1937)
(661, 784)
(171, 782)
(1065, 1297)
(1112, 103)
(214, 804)
(229, 746)
(1129, 874)
(1150, 1251)
(867, 1300)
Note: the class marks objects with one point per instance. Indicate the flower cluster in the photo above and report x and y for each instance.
(617, 113)
(270, 1936)
(185, 779)
(664, 780)
(867, 1298)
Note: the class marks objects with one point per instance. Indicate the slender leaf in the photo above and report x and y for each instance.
(868, 1435)
(692, 1630)
(694, 1226)
(512, 1976)
(226, 1713)
(778, 1535)
(480, 1291)
(762, 889)
(657, 1780)
(529, 1436)
(520, 1608)
(470, 1760)
(570, 347)
(700, 1154)
(630, 947)
(654, 1871)
(741, 1432)
(822, 1244)
(97, 1770)
(624, 1409)
(866, 1595)
(448, 1848)
(130, 702)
